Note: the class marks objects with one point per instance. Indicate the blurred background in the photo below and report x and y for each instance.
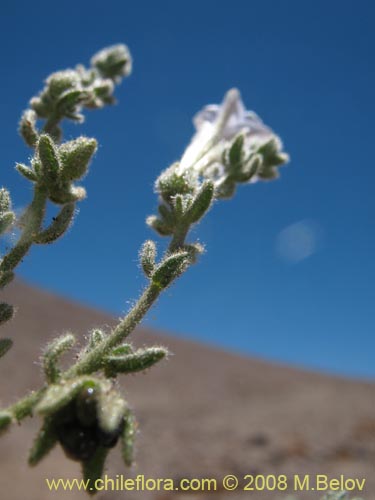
(289, 269)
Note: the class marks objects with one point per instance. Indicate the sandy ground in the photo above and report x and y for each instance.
(202, 414)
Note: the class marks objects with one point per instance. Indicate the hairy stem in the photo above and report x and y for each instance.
(32, 221)
(92, 360)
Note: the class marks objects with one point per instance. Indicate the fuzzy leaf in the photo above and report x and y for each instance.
(147, 257)
(96, 337)
(27, 128)
(235, 152)
(93, 468)
(70, 99)
(113, 62)
(6, 220)
(201, 202)
(75, 157)
(59, 395)
(138, 361)
(43, 443)
(52, 353)
(49, 159)
(27, 172)
(111, 409)
(160, 226)
(170, 268)
(122, 349)
(5, 201)
(128, 438)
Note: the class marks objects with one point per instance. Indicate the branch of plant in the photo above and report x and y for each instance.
(92, 360)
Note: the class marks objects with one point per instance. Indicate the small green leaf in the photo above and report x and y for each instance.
(59, 395)
(122, 349)
(147, 257)
(27, 127)
(235, 152)
(5, 201)
(71, 194)
(113, 62)
(93, 468)
(52, 354)
(96, 337)
(27, 172)
(170, 268)
(43, 443)
(159, 226)
(138, 361)
(6, 220)
(111, 409)
(70, 99)
(49, 159)
(60, 82)
(128, 439)
(201, 203)
(75, 157)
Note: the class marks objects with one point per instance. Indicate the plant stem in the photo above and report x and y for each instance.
(33, 218)
(92, 360)
(24, 407)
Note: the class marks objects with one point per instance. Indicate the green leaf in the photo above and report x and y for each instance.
(49, 159)
(76, 156)
(59, 395)
(43, 443)
(122, 349)
(70, 194)
(96, 337)
(5, 201)
(128, 439)
(235, 152)
(170, 268)
(6, 220)
(201, 203)
(52, 354)
(93, 468)
(113, 62)
(111, 409)
(159, 226)
(27, 172)
(60, 82)
(147, 257)
(70, 99)
(138, 361)
(27, 128)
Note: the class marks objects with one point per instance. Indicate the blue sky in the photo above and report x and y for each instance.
(289, 269)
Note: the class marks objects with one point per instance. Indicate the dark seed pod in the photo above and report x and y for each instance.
(109, 439)
(78, 442)
(86, 407)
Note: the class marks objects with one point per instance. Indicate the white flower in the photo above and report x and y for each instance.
(217, 126)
